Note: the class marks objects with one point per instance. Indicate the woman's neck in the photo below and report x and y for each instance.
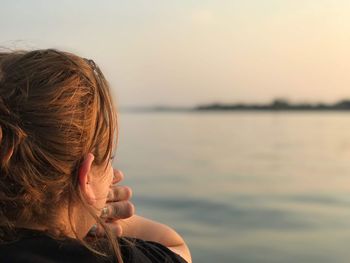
(78, 227)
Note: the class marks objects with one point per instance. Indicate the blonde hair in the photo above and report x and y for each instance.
(55, 107)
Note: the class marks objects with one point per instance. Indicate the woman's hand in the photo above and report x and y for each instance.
(118, 206)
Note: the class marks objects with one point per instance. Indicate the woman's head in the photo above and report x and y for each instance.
(56, 114)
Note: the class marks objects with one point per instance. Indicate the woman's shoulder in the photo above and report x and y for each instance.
(36, 246)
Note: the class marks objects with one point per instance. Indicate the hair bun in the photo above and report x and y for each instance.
(11, 134)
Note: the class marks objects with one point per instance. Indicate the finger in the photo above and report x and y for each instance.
(118, 210)
(117, 176)
(116, 228)
(98, 230)
(119, 193)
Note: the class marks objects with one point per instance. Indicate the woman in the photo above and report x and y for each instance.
(58, 130)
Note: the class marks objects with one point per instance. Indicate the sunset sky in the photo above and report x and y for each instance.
(186, 52)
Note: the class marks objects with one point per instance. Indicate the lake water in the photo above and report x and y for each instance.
(244, 186)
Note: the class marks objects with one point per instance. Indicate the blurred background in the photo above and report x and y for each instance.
(258, 182)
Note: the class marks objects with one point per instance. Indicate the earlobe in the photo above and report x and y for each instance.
(84, 179)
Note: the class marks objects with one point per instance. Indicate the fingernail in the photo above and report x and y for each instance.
(93, 230)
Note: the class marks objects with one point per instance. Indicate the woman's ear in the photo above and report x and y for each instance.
(85, 179)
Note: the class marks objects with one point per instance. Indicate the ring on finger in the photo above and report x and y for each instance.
(105, 212)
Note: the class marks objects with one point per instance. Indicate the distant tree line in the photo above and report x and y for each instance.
(276, 105)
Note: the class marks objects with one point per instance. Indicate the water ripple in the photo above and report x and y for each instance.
(231, 215)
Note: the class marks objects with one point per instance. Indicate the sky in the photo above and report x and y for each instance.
(186, 53)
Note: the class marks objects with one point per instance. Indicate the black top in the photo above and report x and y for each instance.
(36, 246)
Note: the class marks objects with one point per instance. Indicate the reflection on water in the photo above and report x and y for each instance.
(244, 187)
